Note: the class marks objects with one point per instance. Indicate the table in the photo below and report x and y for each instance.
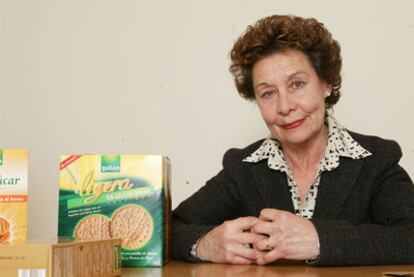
(286, 269)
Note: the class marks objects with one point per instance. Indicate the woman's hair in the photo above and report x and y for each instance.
(278, 33)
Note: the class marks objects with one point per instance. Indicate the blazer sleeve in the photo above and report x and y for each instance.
(209, 207)
(388, 238)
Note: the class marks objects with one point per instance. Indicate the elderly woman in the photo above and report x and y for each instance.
(311, 191)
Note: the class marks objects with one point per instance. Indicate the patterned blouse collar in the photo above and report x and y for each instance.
(340, 144)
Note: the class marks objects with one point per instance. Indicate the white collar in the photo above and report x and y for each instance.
(340, 143)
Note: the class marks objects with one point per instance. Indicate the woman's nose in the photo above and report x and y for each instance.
(285, 104)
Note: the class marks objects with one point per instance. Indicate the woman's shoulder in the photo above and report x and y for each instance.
(378, 146)
(237, 155)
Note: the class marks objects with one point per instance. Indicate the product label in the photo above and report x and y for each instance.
(110, 163)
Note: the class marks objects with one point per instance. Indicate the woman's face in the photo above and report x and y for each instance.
(291, 97)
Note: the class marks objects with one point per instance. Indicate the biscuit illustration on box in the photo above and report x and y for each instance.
(4, 230)
(118, 196)
(133, 224)
(93, 227)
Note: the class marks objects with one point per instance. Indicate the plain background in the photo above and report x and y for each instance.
(99, 76)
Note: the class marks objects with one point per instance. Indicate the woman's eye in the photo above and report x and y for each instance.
(268, 94)
(297, 84)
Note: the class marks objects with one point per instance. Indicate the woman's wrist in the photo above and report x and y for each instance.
(314, 259)
(193, 252)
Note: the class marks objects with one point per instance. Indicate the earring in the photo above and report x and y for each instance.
(327, 93)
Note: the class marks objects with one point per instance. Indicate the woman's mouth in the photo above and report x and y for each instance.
(293, 124)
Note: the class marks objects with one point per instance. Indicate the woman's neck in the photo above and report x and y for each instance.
(304, 156)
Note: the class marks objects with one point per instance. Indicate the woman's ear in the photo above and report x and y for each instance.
(328, 90)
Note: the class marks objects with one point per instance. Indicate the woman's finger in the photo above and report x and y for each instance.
(266, 245)
(246, 252)
(270, 256)
(240, 260)
(244, 223)
(250, 238)
(270, 214)
(267, 228)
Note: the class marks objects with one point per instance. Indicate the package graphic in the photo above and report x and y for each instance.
(13, 195)
(118, 196)
(62, 257)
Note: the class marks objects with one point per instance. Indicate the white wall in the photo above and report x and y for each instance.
(152, 77)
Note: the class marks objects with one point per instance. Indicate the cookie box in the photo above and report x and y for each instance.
(118, 196)
(13, 195)
(62, 257)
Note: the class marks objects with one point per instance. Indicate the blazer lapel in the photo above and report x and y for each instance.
(273, 187)
(335, 187)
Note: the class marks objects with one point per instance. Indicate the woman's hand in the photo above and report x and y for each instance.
(289, 236)
(230, 242)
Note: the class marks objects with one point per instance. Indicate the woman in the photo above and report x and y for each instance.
(312, 190)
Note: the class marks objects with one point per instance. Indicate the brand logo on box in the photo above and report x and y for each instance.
(1, 156)
(110, 163)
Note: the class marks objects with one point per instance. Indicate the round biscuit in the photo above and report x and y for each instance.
(93, 227)
(4, 230)
(133, 224)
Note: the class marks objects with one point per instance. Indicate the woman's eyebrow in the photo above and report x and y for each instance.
(295, 74)
(261, 84)
(289, 77)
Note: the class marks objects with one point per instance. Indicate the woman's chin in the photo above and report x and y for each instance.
(297, 139)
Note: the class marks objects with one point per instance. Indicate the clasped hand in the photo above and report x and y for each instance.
(274, 235)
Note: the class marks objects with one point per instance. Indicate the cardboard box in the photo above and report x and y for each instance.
(118, 196)
(13, 195)
(63, 257)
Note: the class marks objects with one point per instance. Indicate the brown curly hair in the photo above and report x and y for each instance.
(282, 32)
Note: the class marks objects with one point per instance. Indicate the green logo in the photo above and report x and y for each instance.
(118, 256)
(110, 163)
(1, 156)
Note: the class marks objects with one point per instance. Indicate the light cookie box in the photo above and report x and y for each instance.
(13, 195)
(118, 196)
(61, 257)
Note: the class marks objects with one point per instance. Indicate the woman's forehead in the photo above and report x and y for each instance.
(283, 64)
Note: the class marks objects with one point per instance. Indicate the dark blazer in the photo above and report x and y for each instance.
(364, 211)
